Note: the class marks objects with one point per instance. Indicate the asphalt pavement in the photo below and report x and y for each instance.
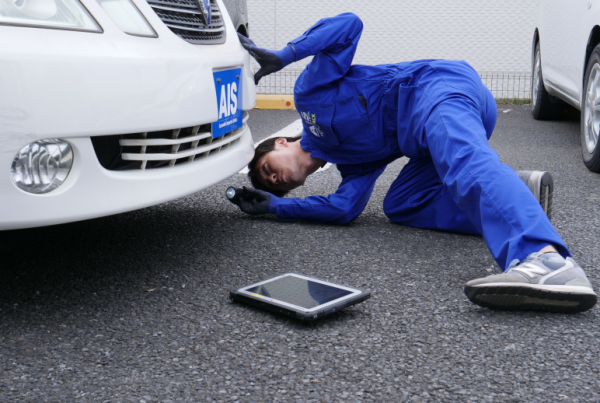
(135, 307)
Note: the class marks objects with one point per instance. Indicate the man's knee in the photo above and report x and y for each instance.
(388, 206)
(491, 113)
(395, 206)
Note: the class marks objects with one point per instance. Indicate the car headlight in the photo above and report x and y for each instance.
(59, 14)
(42, 166)
(127, 17)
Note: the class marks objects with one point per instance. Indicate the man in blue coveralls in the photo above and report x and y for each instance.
(438, 114)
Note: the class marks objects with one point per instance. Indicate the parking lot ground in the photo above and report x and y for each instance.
(135, 307)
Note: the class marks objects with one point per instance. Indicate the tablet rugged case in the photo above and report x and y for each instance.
(237, 296)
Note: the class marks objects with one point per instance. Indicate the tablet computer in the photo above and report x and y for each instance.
(300, 297)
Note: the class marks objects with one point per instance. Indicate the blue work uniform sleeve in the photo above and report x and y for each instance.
(333, 42)
(341, 207)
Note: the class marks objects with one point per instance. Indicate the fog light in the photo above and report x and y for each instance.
(42, 166)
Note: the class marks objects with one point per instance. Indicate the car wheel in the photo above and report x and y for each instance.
(590, 113)
(542, 107)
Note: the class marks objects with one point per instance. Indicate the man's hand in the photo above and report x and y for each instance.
(270, 61)
(252, 201)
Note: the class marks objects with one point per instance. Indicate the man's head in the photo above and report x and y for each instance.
(280, 165)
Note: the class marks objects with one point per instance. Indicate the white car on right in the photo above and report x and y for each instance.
(566, 67)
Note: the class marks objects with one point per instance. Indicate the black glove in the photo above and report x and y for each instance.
(252, 201)
(270, 61)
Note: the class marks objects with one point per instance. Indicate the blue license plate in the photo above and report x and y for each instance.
(229, 101)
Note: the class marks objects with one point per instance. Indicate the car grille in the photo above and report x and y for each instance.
(184, 18)
(162, 149)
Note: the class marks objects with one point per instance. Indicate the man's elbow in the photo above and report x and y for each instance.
(345, 218)
(352, 20)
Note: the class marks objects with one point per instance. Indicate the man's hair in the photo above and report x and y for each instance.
(254, 171)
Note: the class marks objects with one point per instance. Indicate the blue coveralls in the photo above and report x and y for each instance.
(436, 112)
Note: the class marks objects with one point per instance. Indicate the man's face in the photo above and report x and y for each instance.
(280, 169)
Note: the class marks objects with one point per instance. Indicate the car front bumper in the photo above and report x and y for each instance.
(91, 191)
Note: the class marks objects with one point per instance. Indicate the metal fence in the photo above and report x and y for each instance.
(281, 82)
(509, 86)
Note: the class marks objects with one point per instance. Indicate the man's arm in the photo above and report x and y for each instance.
(332, 41)
(341, 207)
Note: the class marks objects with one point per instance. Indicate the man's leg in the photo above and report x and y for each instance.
(509, 217)
(490, 193)
(418, 198)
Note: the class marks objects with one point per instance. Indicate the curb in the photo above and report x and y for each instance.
(266, 101)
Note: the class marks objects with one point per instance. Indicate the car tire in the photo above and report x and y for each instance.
(590, 113)
(543, 107)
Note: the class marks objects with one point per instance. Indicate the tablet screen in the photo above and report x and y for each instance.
(299, 291)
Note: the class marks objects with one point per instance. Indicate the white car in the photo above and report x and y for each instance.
(566, 67)
(108, 106)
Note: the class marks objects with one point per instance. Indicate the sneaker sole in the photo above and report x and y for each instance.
(526, 298)
(542, 186)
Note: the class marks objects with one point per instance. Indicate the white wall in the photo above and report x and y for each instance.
(492, 35)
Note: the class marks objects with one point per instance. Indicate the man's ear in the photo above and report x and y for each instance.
(281, 142)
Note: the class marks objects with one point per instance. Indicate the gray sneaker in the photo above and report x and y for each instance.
(541, 282)
(541, 185)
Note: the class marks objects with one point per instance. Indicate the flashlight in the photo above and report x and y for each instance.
(233, 194)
